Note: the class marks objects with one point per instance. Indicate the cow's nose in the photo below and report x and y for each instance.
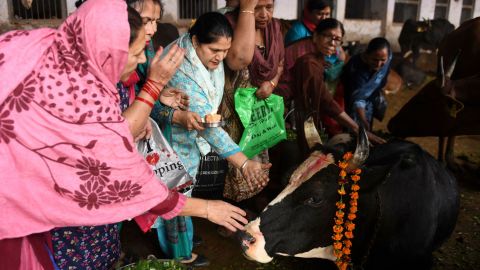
(245, 238)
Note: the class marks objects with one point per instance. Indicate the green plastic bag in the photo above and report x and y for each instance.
(262, 120)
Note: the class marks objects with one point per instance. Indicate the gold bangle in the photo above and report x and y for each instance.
(244, 164)
(206, 210)
(273, 84)
(247, 11)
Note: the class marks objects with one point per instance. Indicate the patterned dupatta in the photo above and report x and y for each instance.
(67, 155)
(210, 82)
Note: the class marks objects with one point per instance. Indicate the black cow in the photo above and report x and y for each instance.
(425, 34)
(408, 206)
(444, 107)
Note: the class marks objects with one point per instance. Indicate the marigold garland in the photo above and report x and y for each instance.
(343, 230)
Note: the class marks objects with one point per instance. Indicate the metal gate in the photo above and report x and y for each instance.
(192, 9)
(38, 9)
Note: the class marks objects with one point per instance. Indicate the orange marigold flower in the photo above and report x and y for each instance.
(338, 254)
(349, 235)
(337, 229)
(350, 226)
(347, 156)
(337, 245)
(352, 216)
(346, 251)
(337, 237)
(347, 243)
(357, 171)
(353, 209)
(353, 202)
(340, 205)
(355, 187)
(338, 221)
(343, 173)
(340, 214)
(342, 266)
(355, 178)
(341, 191)
(354, 195)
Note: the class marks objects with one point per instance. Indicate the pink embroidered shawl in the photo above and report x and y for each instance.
(67, 155)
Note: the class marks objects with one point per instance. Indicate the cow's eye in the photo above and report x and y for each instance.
(312, 201)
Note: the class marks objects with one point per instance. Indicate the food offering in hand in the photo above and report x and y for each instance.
(213, 120)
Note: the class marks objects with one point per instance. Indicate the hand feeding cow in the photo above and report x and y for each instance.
(408, 206)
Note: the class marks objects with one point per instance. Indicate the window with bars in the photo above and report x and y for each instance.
(192, 9)
(367, 9)
(300, 7)
(38, 9)
(303, 3)
(467, 10)
(441, 9)
(405, 9)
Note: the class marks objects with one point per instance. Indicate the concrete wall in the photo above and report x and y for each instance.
(362, 30)
(4, 16)
(285, 9)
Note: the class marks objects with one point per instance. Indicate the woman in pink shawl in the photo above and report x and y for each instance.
(68, 157)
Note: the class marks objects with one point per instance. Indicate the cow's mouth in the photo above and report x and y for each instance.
(246, 240)
(253, 243)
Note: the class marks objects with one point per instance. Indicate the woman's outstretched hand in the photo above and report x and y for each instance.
(162, 69)
(174, 98)
(189, 120)
(256, 174)
(225, 214)
(375, 139)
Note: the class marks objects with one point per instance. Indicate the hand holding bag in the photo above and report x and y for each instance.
(262, 119)
(167, 167)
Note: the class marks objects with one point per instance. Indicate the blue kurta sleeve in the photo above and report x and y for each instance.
(162, 114)
(360, 92)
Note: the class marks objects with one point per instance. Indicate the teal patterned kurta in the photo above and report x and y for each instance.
(205, 89)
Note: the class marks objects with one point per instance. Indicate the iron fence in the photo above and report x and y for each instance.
(38, 9)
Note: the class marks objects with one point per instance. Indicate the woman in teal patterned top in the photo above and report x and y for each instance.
(201, 76)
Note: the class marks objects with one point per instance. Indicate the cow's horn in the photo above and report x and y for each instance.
(442, 71)
(452, 66)
(362, 150)
(311, 133)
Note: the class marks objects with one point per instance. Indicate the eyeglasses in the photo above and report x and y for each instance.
(147, 20)
(337, 40)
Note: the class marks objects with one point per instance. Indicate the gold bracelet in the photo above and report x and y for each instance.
(272, 83)
(207, 210)
(244, 164)
(247, 11)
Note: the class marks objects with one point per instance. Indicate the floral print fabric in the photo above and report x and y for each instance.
(85, 248)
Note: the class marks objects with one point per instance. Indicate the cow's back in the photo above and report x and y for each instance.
(418, 204)
(467, 40)
(407, 35)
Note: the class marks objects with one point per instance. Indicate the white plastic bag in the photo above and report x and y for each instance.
(165, 162)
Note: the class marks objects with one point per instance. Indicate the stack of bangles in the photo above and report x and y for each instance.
(152, 88)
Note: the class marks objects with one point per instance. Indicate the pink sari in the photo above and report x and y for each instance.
(67, 155)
